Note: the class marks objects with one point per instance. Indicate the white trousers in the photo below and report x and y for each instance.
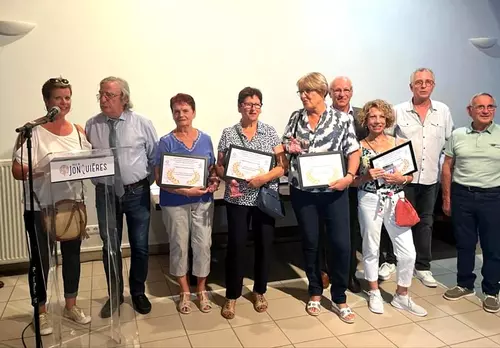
(184, 223)
(372, 212)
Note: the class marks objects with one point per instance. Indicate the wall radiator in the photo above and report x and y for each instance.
(12, 234)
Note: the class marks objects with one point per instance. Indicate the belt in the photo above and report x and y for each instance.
(477, 189)
(140, 183)
(376, 192)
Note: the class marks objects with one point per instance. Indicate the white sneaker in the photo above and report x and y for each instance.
(406, 303)
(386, 270)
(426, 278)
(77, 315)
(45, 324)
(376, 303)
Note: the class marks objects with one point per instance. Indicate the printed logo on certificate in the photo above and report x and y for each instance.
(178, 171)
(398, 159)
(319, 170)
(243, 163)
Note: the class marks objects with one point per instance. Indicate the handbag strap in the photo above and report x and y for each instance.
(81, 148)
(294, 133)
(239, 135)
(296, 125)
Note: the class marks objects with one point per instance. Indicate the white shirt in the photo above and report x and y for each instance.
(428, 138)
(44, 144)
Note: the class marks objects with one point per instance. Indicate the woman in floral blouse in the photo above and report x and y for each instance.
(241, 201)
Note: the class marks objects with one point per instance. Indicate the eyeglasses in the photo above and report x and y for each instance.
(306, 91)
(420, 83)
(106, 95)
(59, 80)
(490, 107)
(257, 106)
(338, 90)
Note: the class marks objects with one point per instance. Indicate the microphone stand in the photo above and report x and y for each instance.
(26, 132)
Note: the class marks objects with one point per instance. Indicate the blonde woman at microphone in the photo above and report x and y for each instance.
(57, 135)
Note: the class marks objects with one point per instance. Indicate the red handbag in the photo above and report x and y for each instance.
(405, 214)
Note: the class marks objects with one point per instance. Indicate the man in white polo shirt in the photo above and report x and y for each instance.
(428, 124)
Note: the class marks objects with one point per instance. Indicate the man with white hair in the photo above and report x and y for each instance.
(428, 124)
(117, 126)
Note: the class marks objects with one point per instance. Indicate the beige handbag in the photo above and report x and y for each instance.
(68, 221)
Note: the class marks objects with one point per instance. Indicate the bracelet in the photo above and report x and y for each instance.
(406, 180)
(352, 175)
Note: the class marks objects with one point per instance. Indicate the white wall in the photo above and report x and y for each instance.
(213, 48)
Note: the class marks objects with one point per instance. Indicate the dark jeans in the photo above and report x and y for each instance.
(70, 251)
(476, 212)
(238, 220)
(333, 209)
(423, 198)
(136, 206)
(356, 240)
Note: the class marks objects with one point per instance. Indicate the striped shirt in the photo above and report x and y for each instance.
(335, 132)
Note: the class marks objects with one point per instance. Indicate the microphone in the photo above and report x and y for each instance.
(49, 117)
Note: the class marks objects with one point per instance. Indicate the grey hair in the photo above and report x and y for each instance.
(125, 90)
(412, 76)
(480, 95)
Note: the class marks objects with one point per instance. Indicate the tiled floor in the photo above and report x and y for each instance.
(449, 324)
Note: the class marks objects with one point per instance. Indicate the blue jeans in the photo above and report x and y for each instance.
(333, 209)
(136, 206)
(475, 212)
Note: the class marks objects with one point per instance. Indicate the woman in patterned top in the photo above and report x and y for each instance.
(317, 128)
(376, 206)
(241, 201)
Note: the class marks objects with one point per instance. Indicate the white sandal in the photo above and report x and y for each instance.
(344, 313)
(184, 305)
(313, 305)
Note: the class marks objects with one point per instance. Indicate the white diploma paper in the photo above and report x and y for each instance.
(183, 171)
(320, 170)
(244, 164)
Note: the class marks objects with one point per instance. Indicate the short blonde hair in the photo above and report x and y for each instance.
(380, 105)
(314, 81)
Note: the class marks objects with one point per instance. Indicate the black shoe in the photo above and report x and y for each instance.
(106, 309)
(354, 285)
(141, 304)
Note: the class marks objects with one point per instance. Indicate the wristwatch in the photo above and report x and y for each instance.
(352, 175)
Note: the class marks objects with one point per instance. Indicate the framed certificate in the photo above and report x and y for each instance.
(320, 169)
(178, 171)
(243, 163)
(398, 159)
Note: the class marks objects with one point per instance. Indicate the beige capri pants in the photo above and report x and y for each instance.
(182, 223)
